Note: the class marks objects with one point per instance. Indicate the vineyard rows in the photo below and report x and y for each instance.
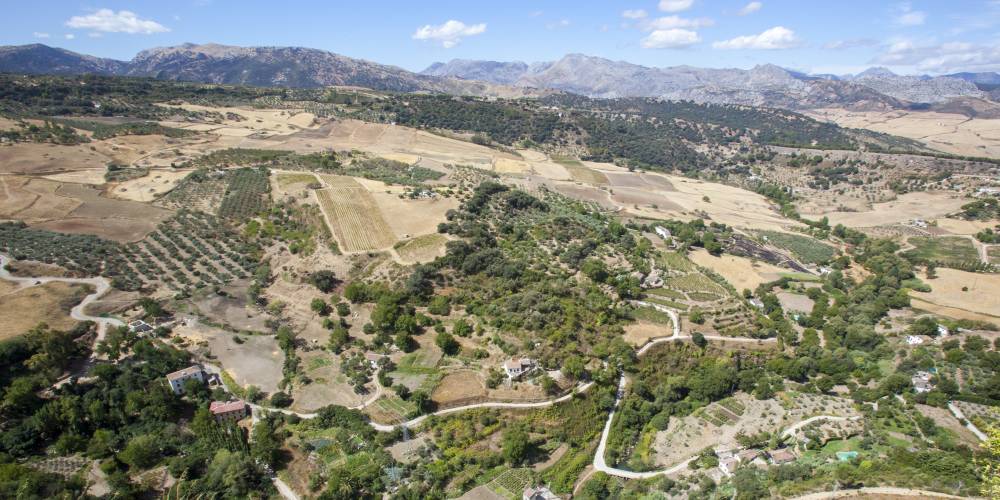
(354, 216)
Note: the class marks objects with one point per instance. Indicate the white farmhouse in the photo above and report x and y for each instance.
(517, 367)
(177, 378)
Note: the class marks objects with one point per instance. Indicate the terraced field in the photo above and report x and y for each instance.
(353, 215)
(579, 172)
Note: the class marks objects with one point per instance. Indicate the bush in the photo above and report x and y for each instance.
(281, 400)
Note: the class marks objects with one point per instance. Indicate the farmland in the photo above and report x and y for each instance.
(353, 215)
(944, 250)
(49, 303)
(807, 249)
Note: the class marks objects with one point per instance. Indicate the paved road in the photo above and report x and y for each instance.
(101, 286)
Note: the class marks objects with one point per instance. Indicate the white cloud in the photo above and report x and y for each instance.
(123, 21)
(634, 14)
(69, 36)
(671, 22)
(850, 43)
(943, 58)
(536, 13)
(670, 39)
(449, 33)
(778, 37)
(675, 5)
(906, 16)
(38, 34)
(750, 8)
(562, 23)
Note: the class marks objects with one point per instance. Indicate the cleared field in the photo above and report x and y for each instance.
(87, 176)
(952, 133)
(795, 302)
(579, 172)
(353, 215)
(458, 386)
(255, 360)
(40, 159)
(906, 207)
(640, 332)
(981, 294)
(422, 248)
(24, 308)
(740, 272)
(943, 249)
(149, 187)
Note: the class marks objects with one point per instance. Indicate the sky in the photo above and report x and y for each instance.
(815, 36)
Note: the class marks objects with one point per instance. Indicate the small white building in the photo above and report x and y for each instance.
(177, 378)
(914, 340)
(662, 232)
(514, 368)
(922, 381)
(943, 330)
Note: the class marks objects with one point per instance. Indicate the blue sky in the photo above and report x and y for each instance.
(830, 36)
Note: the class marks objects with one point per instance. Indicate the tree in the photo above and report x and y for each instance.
(266, 443)
(548, 385)
(339, 337)
(319, 306)
(989, 464)
(141, 452)
(515, 445)
(699, 339)
(447, 343)
(462, 328)
(326, 281)
(573, 367)
(280, 400)
(697, 316)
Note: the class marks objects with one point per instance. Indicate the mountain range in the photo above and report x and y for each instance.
(298, 67)
(762, 85)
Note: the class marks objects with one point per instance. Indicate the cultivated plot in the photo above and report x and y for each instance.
(353, 215)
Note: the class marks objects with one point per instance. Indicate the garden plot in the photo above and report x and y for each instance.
(795, 302)
(353, 215)
(719, 423)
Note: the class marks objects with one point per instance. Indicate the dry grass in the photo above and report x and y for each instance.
(458, 385)
(906, 207)
(422, 248)
(740, 272)
(149, 187)
(353, 215)
(23, 308)
(581, 173)
(981, 297)
(952, 133)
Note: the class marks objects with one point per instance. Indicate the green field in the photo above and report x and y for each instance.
(944, 249)
(806, 249)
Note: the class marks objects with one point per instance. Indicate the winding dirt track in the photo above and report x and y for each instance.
(101, 286)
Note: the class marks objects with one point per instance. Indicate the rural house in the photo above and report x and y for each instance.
(922, 381)
(177, 378)
(228, 410)
(539, 493)
(517, 367)
(782, 456)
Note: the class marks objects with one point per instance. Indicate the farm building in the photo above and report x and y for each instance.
(922, 381)
(228, 410)
(782, 456)
(177, 378)
(374, 358)
(517, 367)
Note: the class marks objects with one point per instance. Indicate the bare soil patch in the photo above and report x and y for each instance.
(640, 332)
(422, 248)
(255, 360)
(905, 208)
(458, 386)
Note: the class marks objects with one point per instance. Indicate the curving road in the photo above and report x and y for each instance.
(101, 286)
